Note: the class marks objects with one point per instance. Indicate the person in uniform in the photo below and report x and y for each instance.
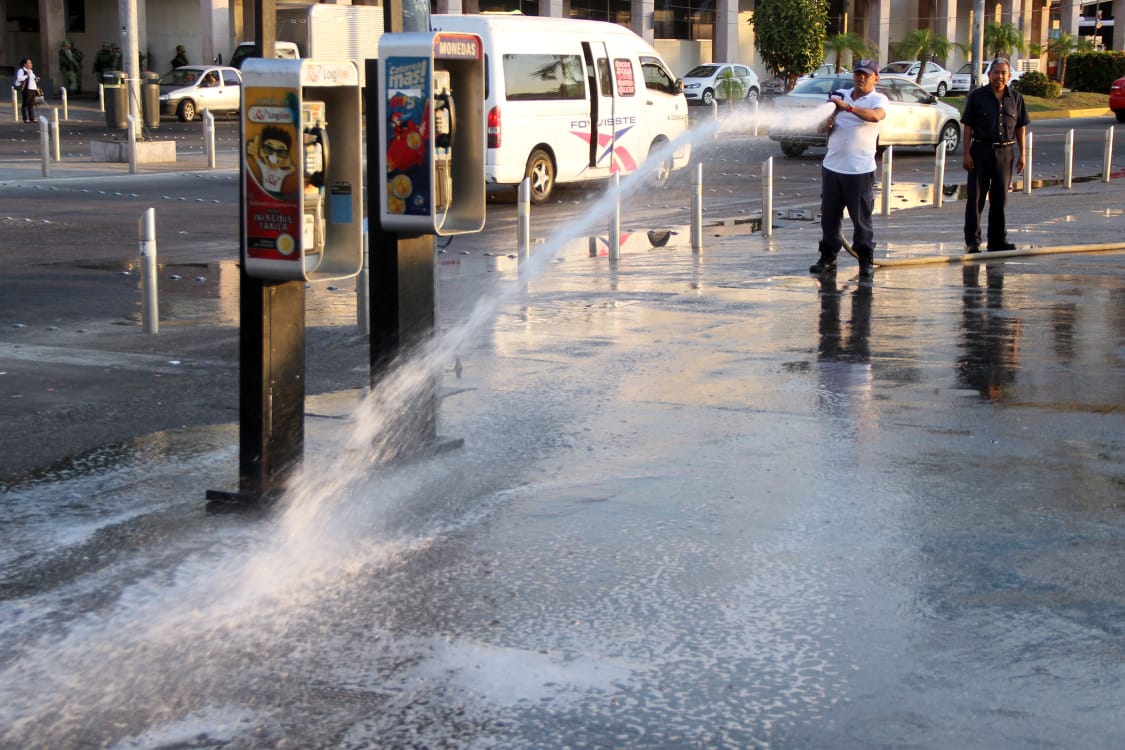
(993, 127)
(70, 64)
(180, 59)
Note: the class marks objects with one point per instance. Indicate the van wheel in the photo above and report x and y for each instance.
(708, 97)
(663, 169)
(792, 149)
(541, 171)
(186, 112)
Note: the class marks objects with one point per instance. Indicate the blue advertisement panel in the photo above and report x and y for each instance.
(408, 158)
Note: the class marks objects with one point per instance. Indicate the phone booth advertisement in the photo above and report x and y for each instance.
(431, 133)
(302, 200)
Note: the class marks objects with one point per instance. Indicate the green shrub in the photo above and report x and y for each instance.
(1034, 83)
(1094, 71)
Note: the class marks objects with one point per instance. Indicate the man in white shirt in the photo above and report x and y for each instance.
(28, 85)
(848, 169)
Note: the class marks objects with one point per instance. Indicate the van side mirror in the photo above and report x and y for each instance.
(679, 85)
(931, 99)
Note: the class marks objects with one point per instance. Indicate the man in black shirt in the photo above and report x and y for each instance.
(994, 122)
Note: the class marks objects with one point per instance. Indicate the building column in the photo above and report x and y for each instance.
(1068, 18)
(945, 23)
(879, 28)
(452, 7)
(551, 8)
(641, 19)
(1119, 25)
(1012, 13)
(725, 43)
(214, 29)
(52, 32)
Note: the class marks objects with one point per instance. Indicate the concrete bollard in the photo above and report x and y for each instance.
(615, 219)
(209, 137)
(1027, 142)
(1107, 161)
(45, 145)
(939, 175)
(523, 230)
(755, 118)
(15, 106)
(146, 230)
(888, 176)
(101, 97)
(1068, 160)
(697, 209)
(767, 197)
(362, 290)
(56, 147)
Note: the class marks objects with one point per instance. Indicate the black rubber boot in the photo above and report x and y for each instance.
(826, 262)
(866, 261)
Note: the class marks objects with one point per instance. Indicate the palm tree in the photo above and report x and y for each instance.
(1061, 47)
(850, 42)
(1001, 39)
(920, 45)
(730, 87)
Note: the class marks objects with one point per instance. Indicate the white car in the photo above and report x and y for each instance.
(701, 83)
(914, 117)
(188, 90)
(936, 79)
(963, 78)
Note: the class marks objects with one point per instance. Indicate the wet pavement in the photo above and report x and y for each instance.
(704, 501)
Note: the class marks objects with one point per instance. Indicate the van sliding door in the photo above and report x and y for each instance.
(599, 84)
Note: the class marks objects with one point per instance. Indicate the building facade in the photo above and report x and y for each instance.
(686, 32)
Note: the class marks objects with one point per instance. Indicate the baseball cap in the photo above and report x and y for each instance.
(867, 65)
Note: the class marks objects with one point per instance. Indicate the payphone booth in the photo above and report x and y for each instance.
(303, 177)
(431, 133)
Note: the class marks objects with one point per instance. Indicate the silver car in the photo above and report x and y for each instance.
(914, 117)
(187, 91)
(701, 83)
(935, 79)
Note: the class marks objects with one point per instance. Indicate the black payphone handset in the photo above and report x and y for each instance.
(314, 137)
(445, 125)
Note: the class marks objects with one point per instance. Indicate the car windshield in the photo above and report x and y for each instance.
(179, 77)
(701, 71)
(822, 85)
(895, 68)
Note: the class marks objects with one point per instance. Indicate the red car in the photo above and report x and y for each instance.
(1117, 99)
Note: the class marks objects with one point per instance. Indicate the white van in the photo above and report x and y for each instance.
(546, 118)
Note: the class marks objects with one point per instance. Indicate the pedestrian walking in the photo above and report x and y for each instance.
(848, 170)
(27, 83)
(995, 120)
(181, 58)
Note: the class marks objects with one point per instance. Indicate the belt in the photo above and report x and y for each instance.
(992, 144)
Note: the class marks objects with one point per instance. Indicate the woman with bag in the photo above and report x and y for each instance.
(27, 83)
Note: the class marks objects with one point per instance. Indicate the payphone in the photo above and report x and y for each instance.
(303, 175)
(431, 134)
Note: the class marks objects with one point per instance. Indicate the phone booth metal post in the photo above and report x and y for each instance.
(431, 133)
(302, 148)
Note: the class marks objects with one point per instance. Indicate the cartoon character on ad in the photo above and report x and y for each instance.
(408, 127)
(273, 198)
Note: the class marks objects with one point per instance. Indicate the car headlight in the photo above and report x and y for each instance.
(691, 85)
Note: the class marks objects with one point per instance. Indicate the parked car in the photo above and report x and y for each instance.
(701, 83)
(775, 85)
(963, 78)
(827, 69)
(187, 91)
(914, 117)
(1117, 99)
(936, 79)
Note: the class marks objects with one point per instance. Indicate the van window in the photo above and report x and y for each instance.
(656, 77)
(604, 80)
(626, 80)
(529, 77)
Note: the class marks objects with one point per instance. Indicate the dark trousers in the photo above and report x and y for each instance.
(989, 179)
(27, 105)
(855, 192)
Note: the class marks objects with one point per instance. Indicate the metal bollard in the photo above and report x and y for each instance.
(45, 145)
(697, 209)
(56, 147)
(209, 137)
(132, 119)
(755, 118)
(615, 219)
(767, 197)
(65, 104)
(1027, 141)
(939, 176)
(15, 106)
(146, 233)
(1107, 161)
(1068, 159)
(888, 174)
(523, 213)
(362, 291)
(101, 97)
